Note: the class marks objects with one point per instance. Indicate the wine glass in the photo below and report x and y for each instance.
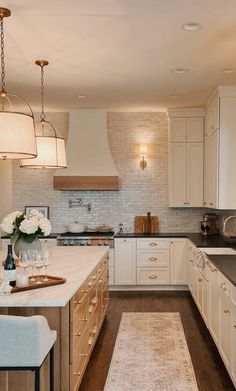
(32, 264)
(38, 263)
(24, 259)
(46, 256)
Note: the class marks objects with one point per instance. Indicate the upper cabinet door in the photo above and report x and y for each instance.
(212, 117)
(195, 174)
(178, 130)
(194, 130)
(177, 174)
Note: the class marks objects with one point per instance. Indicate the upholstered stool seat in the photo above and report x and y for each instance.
(25, 342)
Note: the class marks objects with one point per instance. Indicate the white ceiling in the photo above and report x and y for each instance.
(119, 53)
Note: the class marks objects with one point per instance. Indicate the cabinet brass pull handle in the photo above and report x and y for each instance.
(77, 334)
(152, 276)
(76, 373)
(226, 311)
(191, 261)
(152, 244)
(152, 258)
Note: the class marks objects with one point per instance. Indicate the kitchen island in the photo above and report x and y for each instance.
(76, 310)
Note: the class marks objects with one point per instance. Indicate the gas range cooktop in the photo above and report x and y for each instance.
(87, 234)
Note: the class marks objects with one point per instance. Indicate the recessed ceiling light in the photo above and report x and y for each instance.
(180, 70)
(81, 96)
(191, 26)
(175, 95)
(228, 70)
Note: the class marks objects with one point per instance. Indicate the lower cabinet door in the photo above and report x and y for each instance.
(224, 328)
(160, 276)
(233, 344)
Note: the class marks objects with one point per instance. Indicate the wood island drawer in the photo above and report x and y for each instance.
(80, 318)
(152, 243)
(153, 258)
(155, 276)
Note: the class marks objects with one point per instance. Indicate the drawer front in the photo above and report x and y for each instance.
(157, 276)
(153, 258)
(152, 243)
(80, 356)
(224, 284)
(80, 318)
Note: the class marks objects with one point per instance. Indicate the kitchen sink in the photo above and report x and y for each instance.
(218, 250)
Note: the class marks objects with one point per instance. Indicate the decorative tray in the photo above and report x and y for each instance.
(52, 280)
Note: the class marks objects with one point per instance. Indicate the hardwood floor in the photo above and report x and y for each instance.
(209, 369)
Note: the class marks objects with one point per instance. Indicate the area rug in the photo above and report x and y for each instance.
(151, 354)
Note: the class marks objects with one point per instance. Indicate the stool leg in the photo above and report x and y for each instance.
(52, 369)
(37, 379)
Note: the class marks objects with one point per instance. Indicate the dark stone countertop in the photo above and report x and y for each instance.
(198, 239)
(51, 236)
(226, 264)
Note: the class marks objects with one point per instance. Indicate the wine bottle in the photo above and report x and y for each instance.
(10, 267)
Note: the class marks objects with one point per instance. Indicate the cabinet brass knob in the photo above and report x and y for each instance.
(152, 258)
(200, 280)
(235, 326)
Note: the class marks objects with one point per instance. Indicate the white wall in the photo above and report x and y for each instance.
(141, 190)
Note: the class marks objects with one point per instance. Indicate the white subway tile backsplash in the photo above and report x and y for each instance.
(141, 190)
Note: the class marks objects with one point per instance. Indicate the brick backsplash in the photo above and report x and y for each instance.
(141, 190)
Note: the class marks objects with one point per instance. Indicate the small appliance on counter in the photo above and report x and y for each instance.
(208, 224)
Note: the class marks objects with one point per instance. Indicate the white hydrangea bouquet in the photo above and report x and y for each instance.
(26, 227)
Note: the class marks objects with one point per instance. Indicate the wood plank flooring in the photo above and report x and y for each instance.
(209, 368)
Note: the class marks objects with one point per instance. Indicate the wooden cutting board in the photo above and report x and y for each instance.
(140, 224)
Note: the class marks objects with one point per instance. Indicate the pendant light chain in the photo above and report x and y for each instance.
(2, 57)
(42, 116)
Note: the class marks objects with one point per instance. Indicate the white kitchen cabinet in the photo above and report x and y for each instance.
(220, 156)
(186, 174)
(125, 261)
(213, 315)
(186, 129)
(153, 261)
(178, 262)
(211, 171)
(212, 117)
(224, 320)
(186, 157)
(233, 343)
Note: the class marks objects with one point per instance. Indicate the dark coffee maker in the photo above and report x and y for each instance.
(208, 224)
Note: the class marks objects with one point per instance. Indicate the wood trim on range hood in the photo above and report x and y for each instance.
(90, 164)
(86, 183)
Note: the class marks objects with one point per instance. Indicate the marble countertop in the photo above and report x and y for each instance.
(73, 263)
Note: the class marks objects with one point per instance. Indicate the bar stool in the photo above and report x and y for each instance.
(25, 343)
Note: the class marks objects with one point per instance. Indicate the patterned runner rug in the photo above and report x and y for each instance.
(151, 354)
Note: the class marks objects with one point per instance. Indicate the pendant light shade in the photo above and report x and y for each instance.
(17, 132)
(51, 151)
(50, 146)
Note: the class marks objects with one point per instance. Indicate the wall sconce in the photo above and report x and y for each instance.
(143, 152)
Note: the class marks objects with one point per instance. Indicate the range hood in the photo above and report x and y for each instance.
(89, 161)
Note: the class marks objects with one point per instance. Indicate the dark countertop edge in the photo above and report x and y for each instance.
(198, 239)
(223, 260)
(51, 236)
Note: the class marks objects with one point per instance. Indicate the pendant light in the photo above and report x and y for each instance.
(50, 146)
(17, 132)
